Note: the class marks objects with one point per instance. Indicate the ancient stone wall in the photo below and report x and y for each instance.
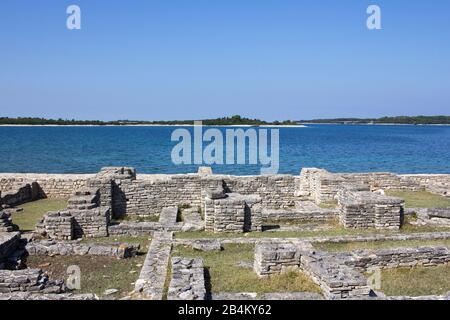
(52, 185)
(83, 218)
(437, 183)
(274, 258)
(12, 250)
(28, 280)
(21, 194)
(70, 248)
(364, 260)
(188, 280)
(233, 213)
(359, 208)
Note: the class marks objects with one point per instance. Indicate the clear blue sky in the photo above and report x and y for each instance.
(193, 59)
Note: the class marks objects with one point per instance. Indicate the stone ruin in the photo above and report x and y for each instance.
(83, 218)
(361, 208)
(341, 275)
(231, 204)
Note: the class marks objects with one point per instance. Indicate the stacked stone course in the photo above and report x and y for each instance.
(188, 280)
(83, 218)
(29, 280)
(360, 208)
(71, 248)
(233, 213)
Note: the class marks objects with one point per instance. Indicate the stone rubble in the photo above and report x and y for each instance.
(188, 280)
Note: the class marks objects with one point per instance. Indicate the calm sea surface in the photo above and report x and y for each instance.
(338, 148)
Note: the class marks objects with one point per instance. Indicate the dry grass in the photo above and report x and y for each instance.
(418, 281)
(374, 245)
(420, 199)
(97, 273)
(227, 276)
(34, 211)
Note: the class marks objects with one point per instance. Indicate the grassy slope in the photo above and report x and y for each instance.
(227, 276)
(34, 211)
(420, 199)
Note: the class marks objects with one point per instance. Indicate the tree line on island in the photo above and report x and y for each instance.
(235, 120)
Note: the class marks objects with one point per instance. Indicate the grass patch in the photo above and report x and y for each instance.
(143, 241)
(34, 211)
(329, 205)
(227, 276)
(152, 218)
(374, 245)
(418, 281)
(420, 199)
(97, 273)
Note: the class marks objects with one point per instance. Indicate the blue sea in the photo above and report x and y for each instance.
(337, 148)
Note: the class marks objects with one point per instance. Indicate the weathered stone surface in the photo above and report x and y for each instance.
(292, 296)
(364, 260)
(49, 296)
(31, 280)
(192, 220)
(223, 296)
(274, 258)
(6, 224)
(206, 245)
(237, 213)
(188, 280)
(168, 216)
(12, 251)
(83, 218)
(154, 271)
(66, 248)
(359, 208)
(337, 280)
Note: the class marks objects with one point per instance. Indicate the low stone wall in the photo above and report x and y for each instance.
(439, 217)
(397, 257)
(233, 213)
(70, 248)
(365, 209)
(188, 280)
(273, 259)
(21, 194)
(12, 250)
(337, 281)
(46, 297)
(153, 274)
(83, 218)
(56, 225)
(303, 211)
(50, 185)
(437, 183)
(30, 280)
(6, 224)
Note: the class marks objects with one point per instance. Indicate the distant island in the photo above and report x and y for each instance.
(226, 121)
(416, 120)
(235, 120)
